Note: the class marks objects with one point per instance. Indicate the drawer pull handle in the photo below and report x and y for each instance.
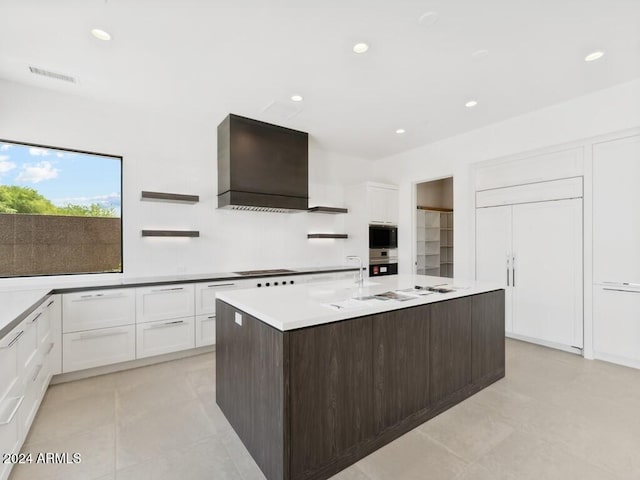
(221, 285)
(35, 319)
(211, 317)
(621, 290)
(173, 289)
(98, 295)
(14, 410)
(625, 284)
(38, 370)
(50, 303)
(167, 324)
(51, 345)
(15, 339)
(85, 336)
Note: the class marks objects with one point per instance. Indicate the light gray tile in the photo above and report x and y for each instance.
(159, 431)
(411, 457)
(58, 418)
(468, 430)
(97, 450)
(204, 460)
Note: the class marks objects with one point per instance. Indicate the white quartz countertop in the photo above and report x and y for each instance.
(15, 303)
(307, 305)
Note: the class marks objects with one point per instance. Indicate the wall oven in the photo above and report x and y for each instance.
(383, 236)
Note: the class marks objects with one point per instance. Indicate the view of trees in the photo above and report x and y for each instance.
(14, 199)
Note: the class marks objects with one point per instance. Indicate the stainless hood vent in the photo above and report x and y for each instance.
(262, 167)
(248, 208)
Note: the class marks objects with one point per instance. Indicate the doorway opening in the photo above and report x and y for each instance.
(434, 228)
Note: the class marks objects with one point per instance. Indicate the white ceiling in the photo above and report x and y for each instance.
(239, 56)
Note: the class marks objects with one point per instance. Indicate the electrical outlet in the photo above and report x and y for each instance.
(239, 318)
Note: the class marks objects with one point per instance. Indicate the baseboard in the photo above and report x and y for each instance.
(544, 343)
(118, 367)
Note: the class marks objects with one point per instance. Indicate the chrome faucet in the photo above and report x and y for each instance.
(360, 280)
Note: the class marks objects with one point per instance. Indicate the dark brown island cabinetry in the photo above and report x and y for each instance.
(309, 402)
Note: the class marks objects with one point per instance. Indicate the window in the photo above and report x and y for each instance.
(60, 211)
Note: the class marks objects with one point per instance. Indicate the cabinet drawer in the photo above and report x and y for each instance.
(206, 296)
(9, 430)
(205, 330)
(43, 324)
(166, 336)
(35, 382)
(54, 307)
(9, 361)
(163, 303)
(28, 343)
(98, 347)
(98, 309)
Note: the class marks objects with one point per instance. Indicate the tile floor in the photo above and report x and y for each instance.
(554, 416)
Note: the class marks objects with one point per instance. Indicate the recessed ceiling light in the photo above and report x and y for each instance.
(296, 98)
(400, 131)
(480, 53)
(471, 104)
(428, 19)
(594, 56)
(360, 47)
(100, 34)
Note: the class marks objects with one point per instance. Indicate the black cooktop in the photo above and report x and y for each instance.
(265, 272)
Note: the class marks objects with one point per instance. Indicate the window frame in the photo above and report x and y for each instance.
(84, 152)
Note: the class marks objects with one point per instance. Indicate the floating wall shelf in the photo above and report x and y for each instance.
(169, 197)
(170, 233)
(332, 210)
(327, 235)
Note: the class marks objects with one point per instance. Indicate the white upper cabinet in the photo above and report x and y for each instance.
(164, 302)
(616, 222)
(382, 202)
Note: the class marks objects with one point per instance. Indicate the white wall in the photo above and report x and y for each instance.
(176, 152)
(602, 112)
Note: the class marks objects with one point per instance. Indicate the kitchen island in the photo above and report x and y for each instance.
(313, 378)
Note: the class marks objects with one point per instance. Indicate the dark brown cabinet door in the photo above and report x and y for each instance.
(487, 343)
(250, 385)
(400, 365)
(330, 393)
(450, 356)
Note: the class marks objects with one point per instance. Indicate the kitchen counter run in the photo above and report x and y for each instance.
(18, 301)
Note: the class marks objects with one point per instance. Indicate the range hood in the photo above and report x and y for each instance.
(262, 167)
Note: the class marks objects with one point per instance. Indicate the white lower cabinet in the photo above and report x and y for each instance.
(98, 309)
(165, 336)
(9, 371)
(54, 307)
(616, 324)
(25, 372)
(36, 382)
(99, 347)
(164, 302)
(10, 437)
(28, 343)
(205, 330)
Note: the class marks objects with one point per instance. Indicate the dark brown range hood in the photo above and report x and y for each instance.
(262, 167)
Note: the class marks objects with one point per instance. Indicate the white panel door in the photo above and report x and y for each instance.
(547, 288)
(493, 251)
(616, 221)
(616, 324)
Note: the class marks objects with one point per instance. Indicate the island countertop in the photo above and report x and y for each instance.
(315, 304)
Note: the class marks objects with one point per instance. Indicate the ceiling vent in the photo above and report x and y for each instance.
(50, 74)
